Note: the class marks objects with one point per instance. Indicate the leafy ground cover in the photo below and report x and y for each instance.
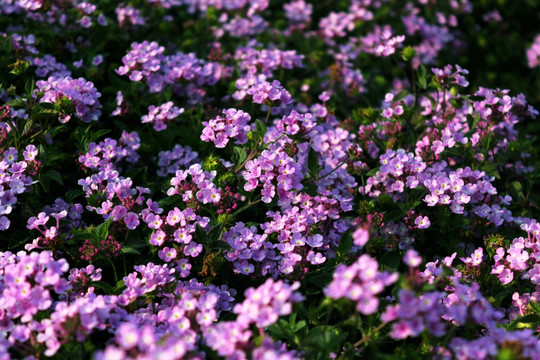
(255, 179)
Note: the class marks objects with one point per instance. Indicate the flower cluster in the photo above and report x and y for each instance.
(27, 282)
(262, 92)
(500, 112)
(142, 61)
(490, 345)
(360, 282)
(435, 311)
(234, 125)
(107, 154)
(147, 62)
(161, 115)
(265, 304)
(129, 16)
(179, 158)
(381, 42)
(266, 61)
(434, 37)
(76, 96)
(262, 307)
(296, 123)
(49, 66)
(276, 172)
(298, 12)
(199, 188)
(336, 24)
(400, 170)
(16, 178)
(522, 256)
(176, 232)
(533, 53)
(50, 234)
(117, 199)
(80, 280)
(447, 76)
(322, 142)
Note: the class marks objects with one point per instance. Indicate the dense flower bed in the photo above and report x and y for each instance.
(256, 179)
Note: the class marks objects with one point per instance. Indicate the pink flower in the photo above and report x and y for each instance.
(360, 236)
(422, 222)
(412, 259)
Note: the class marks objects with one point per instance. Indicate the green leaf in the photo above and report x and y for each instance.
(42, 155)
(313, 162)
(506, 354)
(29, 86)
(19, 67)
(373, 171)
(119, 286)
(500, 296)
(55, 176)
(16, 103)
(260, 128)
(527, 321)
(487, 142)
(240, 155)
(27, 127)
(105, 286)
(422, 77)
(45, 182)
(201, 234)
(345, 243)
(535, 305)
(170, 200)
(391, 260)
(516, 189)
(408, 53)
(129, 250)
(101, 232)
(491, 170)
(320, 341)
(310, 189)
(215, 233)
(72, 194)
(96, 135)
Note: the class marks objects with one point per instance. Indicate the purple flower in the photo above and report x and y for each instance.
(131, 220)
(360, 282)
(193, 249)
(422, 222)
(233, 125)
(82, 95)
(412, 259)
(266, 303)
(167, 254)
(127, 336)
(162, 115)
(4, 223)
(360, 236)
(533, 53)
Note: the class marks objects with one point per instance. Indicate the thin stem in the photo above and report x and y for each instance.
(251, 155)
(268, 115)
(369, 336)
(415, 105)
(444, 102)
(125, 267)
(114, 271)
(36, 134)
(275, 141)
(239, 211)
(334, 169)
(18, 137)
